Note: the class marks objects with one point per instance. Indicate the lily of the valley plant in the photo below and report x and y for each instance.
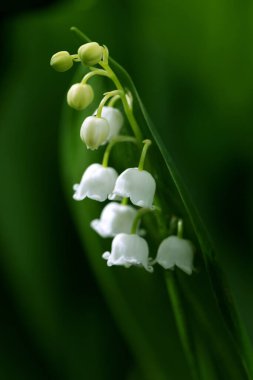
(133, 192)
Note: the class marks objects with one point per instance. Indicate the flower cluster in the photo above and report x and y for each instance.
(118, 220)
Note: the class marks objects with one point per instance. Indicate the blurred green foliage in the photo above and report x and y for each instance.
(192, 65)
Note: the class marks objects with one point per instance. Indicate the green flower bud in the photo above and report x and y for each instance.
(94, 131)
(90, 53)
(80, 96)
(61, 61)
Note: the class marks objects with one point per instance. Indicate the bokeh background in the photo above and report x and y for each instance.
(192, 63)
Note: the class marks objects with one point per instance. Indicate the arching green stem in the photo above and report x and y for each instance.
(93, 73)
(114, 100)
(107, 96)
(78, 32)
(130, 116)
(147, 144)
(115, 140)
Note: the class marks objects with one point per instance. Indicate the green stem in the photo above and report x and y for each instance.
(180, 229)
(107, 96)
(78, 33)
(137, 218)
(115, 140)
(147, 144)
(181, 323)
(130, 116)
(75, 57)
(124, 201)
(93, 73)
(114, 100)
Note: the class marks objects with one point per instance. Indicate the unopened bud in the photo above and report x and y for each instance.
(94, 132)
(61, 61)
(80, 96)
(90, 53)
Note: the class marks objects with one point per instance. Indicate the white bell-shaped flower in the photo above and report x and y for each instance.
(174, 251)
(94, 131)
(115, 120)
(115, 218)
(138, 185)
(96, 183)
(128, 250)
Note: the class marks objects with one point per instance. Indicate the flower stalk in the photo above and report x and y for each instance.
(107, 96)
(128, 110)
(93, 73)
(147, 144)
(137, 219)
(116, 140)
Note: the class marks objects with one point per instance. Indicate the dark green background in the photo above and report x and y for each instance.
(192, 63)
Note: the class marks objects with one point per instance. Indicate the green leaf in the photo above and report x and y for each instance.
(139, 300)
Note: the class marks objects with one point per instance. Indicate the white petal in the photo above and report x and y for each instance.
(115, 120)
(94, 132)
(129, 250)
(106, 255)
(174, 251)
(96, 183)
(115, 218)
(137, 185)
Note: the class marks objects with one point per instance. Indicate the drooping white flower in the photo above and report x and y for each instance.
(115, 120)
(138, 185)
(96, 183)
(94, 131)
(115, 218)
(174, 251)
(128, 250)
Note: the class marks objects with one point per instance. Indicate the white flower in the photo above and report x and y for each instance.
(115, 218)
(138, 185)
(115, 120)
(96, 183)
(174, 251)
(94, 131)
(128, 250)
